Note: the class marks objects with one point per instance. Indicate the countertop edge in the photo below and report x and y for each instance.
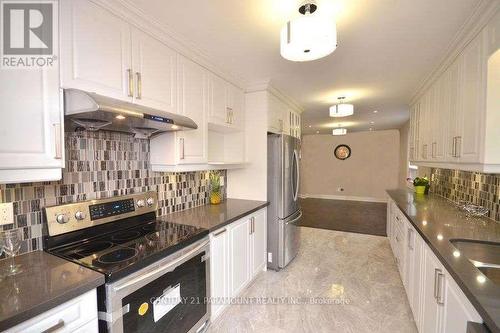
(490, 322)
(237, 217)
(50, 304)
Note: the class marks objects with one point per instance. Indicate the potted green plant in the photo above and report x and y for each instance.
(421, 185)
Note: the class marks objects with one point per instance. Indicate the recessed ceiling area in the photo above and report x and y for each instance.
(385, 49)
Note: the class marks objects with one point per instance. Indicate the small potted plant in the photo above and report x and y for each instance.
(215, 190)
(421, 185)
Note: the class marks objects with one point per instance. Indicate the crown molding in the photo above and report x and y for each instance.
(479, 18)
(270, 88)
(127, 10)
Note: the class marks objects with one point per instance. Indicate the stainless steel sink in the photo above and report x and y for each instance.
(484, 255)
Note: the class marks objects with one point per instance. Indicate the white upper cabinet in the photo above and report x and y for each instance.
(191, 146)
(104, 54)
(155, 76)
(95, 50)
(282, 119)
(226, 108)
(32, 128)
(458, 112)
(193, 101)
(472, 94)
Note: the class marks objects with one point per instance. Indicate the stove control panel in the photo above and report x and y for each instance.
(81, 215)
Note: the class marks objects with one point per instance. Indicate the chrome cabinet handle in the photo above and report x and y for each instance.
(139, 85)
(57, 141)
(440, 283)
(60, 324)
(410, 232)
(436, 272)
(434, 145)
(181, 143)
(130, 83)
(220, 232)
(459, 146)
(454, 147)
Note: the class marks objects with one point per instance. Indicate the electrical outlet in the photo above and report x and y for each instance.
(6, 213)
(340, 189)
(221, 179)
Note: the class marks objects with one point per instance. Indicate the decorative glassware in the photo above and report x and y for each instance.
(11, 244)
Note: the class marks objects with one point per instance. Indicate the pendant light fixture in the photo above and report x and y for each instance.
(308, 37)
(339, 130)
(341, 109)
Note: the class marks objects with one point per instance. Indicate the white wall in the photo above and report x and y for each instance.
(251, 182)
(372, 168)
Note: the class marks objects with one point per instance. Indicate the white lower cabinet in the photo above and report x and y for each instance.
(239, 243)
(76, 315)
(237, 254)
(437, 303)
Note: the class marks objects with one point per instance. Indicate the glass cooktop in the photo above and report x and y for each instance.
(123, 252)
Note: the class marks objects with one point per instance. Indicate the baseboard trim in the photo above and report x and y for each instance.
(342, 197)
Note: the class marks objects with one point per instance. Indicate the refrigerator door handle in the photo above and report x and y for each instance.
(296, 170)
(295, 219)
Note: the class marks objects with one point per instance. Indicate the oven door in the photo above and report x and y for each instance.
(169, 296)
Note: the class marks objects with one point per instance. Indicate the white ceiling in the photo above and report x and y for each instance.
(386, 48)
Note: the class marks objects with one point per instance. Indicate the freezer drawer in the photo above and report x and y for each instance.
(289, 238)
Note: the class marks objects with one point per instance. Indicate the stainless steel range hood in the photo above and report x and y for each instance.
(94, 112)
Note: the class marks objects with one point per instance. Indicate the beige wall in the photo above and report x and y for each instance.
(403, 154)
(372, 168)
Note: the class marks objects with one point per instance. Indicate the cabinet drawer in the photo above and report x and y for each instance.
(66, 317)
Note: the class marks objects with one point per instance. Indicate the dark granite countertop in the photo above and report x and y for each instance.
(212, 217)
(46, 282)
(445, 222)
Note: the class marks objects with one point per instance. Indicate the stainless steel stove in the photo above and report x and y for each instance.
(157, 272)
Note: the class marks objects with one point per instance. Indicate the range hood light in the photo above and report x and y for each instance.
(120, 117)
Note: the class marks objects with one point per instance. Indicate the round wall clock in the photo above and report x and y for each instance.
(342, 152)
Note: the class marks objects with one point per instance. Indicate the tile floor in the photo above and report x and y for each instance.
(354, 272)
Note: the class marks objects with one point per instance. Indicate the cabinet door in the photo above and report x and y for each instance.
(454, 114)
(440, 122)
(236, 107)
(275, 120)
(219, 109)
(193, 104)
(219, 269)
(259, 241)
(431, 310)
(95, 50)
(414, 272)
(472, 101)
(155, 75)
(240, 255)
(424, 134)
(457, 310)
(31, 135)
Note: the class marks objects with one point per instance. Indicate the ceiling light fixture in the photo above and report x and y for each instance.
(120, 117)
(309, 36)
(339, 130)
(341, 109)
(375, 111)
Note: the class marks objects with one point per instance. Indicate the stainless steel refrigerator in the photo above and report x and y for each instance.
(284, 213)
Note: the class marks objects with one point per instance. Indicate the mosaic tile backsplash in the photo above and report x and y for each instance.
(478, 188)
(99, 165)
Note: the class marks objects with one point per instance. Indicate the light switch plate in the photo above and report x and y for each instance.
(6, 213)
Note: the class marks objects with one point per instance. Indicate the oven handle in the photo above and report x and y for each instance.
(164, 269)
